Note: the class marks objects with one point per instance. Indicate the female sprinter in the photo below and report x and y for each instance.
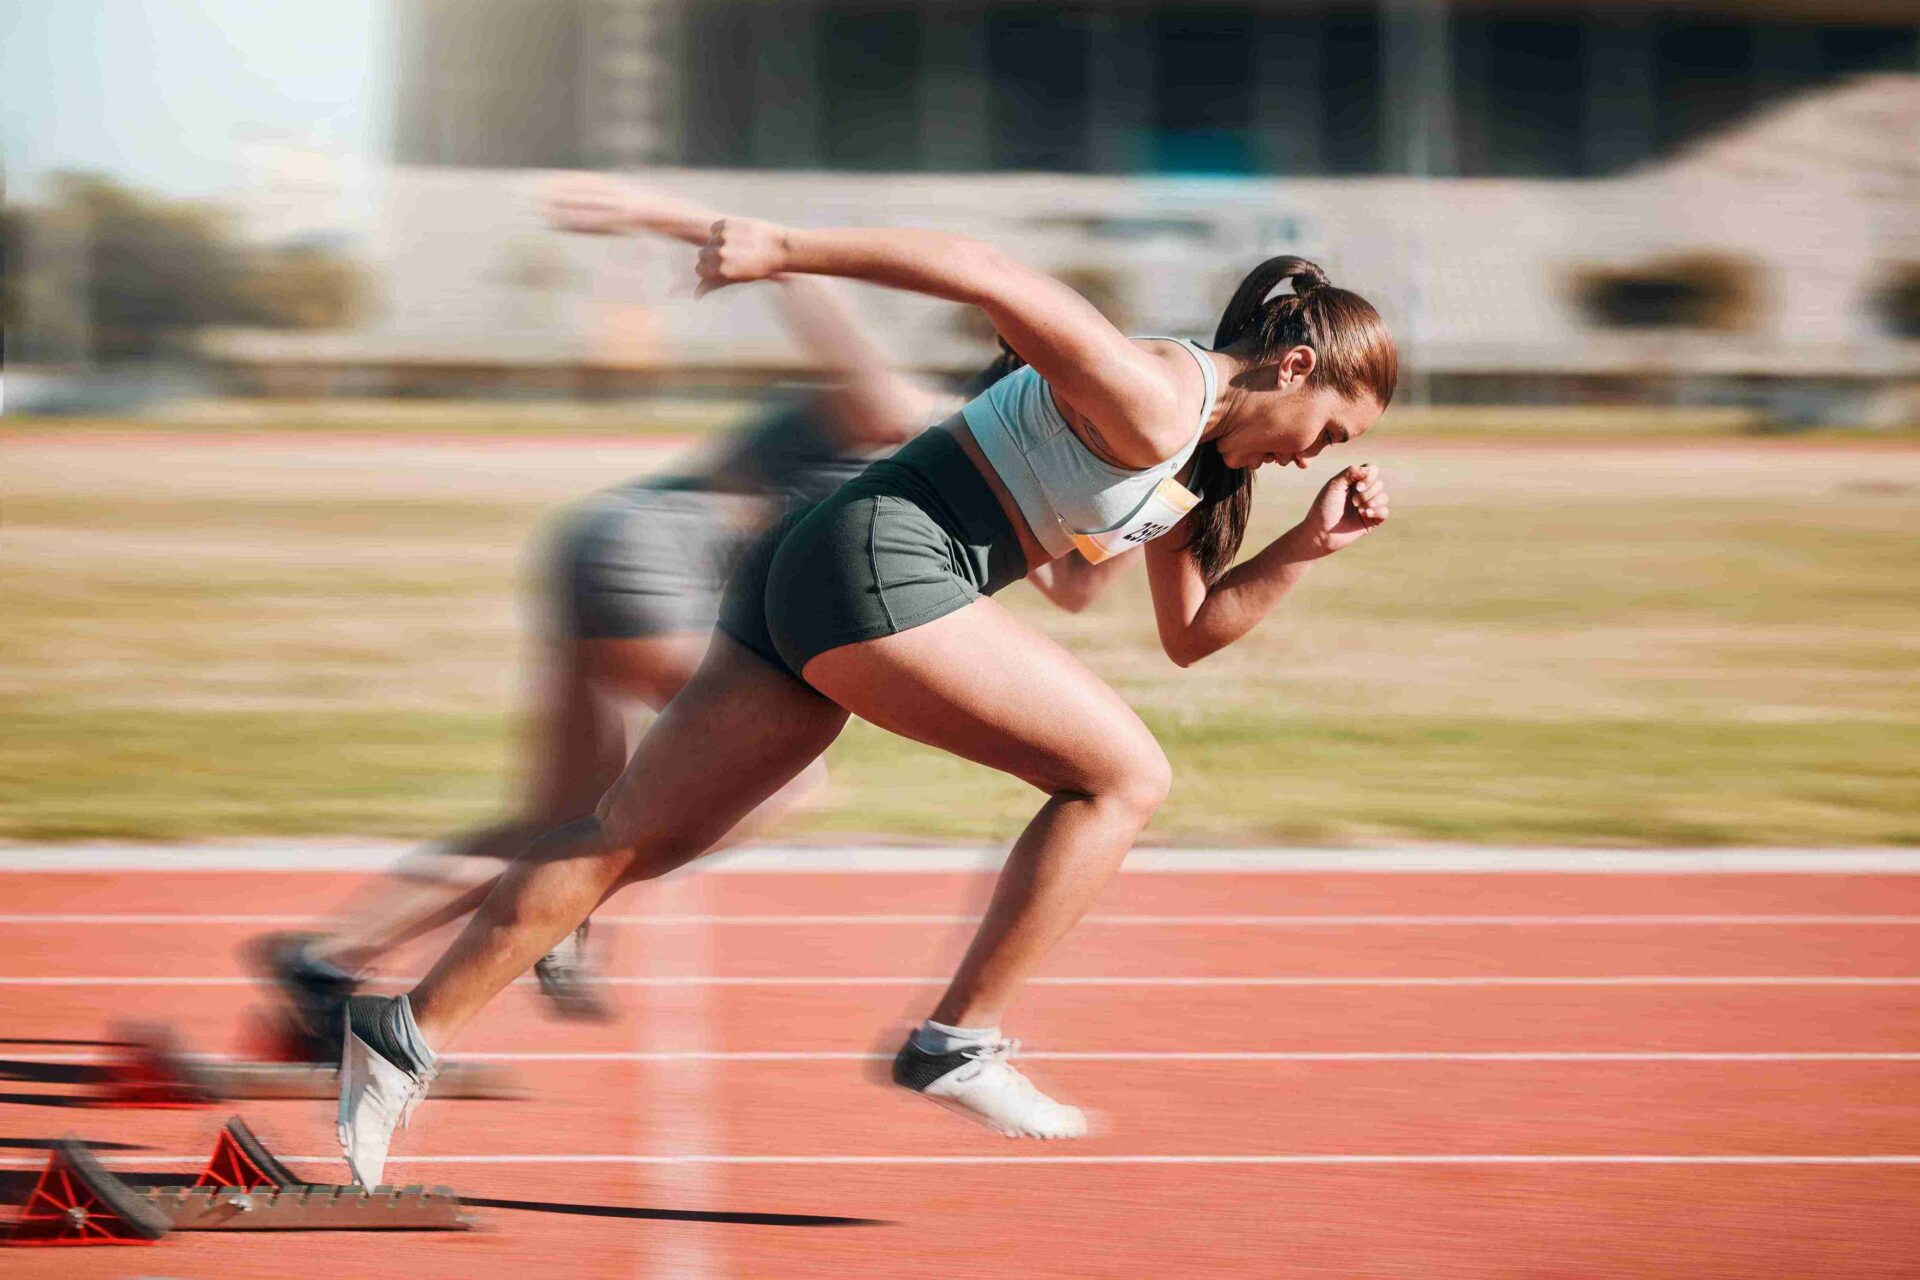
(636, 574)
(876, 603)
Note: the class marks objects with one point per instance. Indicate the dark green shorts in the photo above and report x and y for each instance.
(910, 539)
(642, 561)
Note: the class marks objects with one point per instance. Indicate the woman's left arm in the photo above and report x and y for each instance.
(874, 404)
(1071, 584)
(1196, 619)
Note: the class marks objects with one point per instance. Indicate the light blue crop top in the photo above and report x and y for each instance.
(1059, 484)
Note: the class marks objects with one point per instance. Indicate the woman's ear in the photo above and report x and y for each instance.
(1296, 365)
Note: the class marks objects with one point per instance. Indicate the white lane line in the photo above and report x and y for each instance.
(374, 856)
(1117, 1055)
(141, 1161)
(1198, 921)
(828, 980)
(673, 1099)
(1128, 1055)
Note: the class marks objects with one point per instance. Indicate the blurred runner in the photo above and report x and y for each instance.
(633, 580)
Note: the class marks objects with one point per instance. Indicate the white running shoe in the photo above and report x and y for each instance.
(377, 1096)
(978, 1082)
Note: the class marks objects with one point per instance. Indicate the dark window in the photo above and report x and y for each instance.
(869, 81)
(1350, 92)
(1518, 101)
(1205, 90)
(1287, 126)
(1703, 80)
(1848, 50)
(1037, 59)
(718, 119)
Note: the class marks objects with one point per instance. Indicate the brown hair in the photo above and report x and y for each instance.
(1356, 354)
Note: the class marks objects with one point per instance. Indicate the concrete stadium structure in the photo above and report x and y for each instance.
(1708, 200)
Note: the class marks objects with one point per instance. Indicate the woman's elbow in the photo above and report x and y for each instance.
(1185, 650)
(1074, 598)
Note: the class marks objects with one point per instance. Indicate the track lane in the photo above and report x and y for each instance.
(1097, 949)
(1276, 893)
(1067, 1220)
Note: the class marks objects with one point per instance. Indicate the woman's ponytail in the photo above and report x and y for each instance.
(1249, 303)
(1355, 353)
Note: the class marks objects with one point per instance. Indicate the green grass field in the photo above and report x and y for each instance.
(1583, 641)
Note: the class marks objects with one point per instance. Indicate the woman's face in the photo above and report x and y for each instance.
(1289, 420)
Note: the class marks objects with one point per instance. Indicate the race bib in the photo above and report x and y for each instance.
(1163, 509)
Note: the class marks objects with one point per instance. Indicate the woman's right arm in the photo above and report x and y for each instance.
(1090, 365)
(874, 404)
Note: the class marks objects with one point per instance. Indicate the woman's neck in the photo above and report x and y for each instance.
(1231, 397)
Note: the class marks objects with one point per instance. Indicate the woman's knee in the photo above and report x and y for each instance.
(1135, 780)
(645, 846)
(1149, 781)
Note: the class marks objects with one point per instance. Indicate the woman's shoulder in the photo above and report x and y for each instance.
(1183, 370)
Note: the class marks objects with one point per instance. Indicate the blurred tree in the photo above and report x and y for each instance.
(154, 272)
(9, 270)
(305, 287)
(1898, 300)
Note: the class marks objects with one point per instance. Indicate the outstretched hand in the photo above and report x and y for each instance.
(598, 204)
(1348, 508)
(739, 250)
(589, 204)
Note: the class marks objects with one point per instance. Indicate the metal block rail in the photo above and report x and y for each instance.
(151, 1070)
(244, 1188)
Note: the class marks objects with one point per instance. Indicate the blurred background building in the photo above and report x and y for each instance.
(1693, 201)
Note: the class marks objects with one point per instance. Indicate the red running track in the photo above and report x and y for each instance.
(1380, 1075)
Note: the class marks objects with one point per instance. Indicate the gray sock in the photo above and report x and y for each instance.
(388, 1028)
(404, 1031)
(938, 1038)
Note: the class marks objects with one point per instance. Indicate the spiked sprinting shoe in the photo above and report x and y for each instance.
(570, 979)
(380, 1085)
(315, 993)
(978, 1082)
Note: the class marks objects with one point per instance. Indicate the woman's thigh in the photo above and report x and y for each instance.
(737, 733)
(987, 687)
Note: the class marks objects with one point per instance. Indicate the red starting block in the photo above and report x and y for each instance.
(243, 1188)
(151, 1070)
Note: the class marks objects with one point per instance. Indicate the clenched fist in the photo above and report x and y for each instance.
(738, 250)
(1348, 508)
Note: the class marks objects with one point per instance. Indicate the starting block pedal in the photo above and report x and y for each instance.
(151, 1070)
(244, 1188)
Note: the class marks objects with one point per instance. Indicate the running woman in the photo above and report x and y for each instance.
(635, 576)
(877, 603)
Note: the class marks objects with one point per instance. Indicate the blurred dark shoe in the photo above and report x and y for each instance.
(571, 980)
(315, 993)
